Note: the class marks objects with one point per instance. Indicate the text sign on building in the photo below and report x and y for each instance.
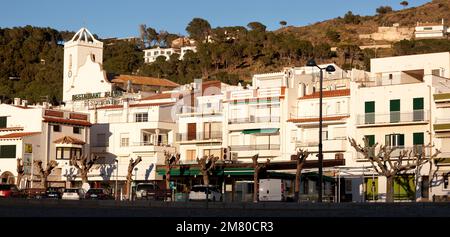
(88, 96)
(28, 148)
(27, 158)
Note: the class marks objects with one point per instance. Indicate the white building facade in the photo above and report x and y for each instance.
(32, 133)
(430, 30)
(83, 58)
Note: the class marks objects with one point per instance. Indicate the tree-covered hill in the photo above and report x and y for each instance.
(31, 58)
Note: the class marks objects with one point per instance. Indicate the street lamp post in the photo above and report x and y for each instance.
(117, 176)
(135, 181)
(329, 68)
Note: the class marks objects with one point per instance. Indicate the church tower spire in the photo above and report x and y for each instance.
(81, 50)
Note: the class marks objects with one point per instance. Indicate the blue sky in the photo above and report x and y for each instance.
(116, 18)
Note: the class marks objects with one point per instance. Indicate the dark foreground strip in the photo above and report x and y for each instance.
(221, 226)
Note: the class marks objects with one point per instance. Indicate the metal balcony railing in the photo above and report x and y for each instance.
(201, 110)
(393, 117)
(268, 119)
(418, 149)
(255, 147)
(200, 136)
(147, 143)
(442, 120)
(316, 143)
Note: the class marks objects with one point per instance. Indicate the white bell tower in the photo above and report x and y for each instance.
(77, 51)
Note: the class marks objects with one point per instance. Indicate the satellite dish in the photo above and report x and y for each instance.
(86, 187)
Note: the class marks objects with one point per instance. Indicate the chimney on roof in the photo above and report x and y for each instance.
(17, 101)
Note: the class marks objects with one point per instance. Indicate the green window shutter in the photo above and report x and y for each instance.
(371, 139)
(371, 188)
(8, 151)
(417, 103)
(395, 105)
(404, 187)
(418, 138)
(401, 140)
(2, 122)
(369, 107)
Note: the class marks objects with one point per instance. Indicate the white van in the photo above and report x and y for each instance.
(271, 190)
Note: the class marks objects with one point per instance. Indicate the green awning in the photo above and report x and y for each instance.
(260, 130)
(186, 172)
(238, 171)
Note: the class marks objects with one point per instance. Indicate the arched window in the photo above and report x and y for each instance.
(70, 62)
(93, 57)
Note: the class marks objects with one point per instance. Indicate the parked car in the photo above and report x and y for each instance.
(33, 193)
(9, 191)
(73, 194)
(98, 193)
(200, 192)
(152, 191)
(54, 193)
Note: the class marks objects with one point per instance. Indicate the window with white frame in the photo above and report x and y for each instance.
(124, 139)
(141, 117)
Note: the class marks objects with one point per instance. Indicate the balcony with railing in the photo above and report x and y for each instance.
(329, 145)
(199, 137)
(149, 146)
(416, 149)
(399, 78)
(393, 118)
(255, 93)
(255, 147)
(326, 118)
(253, 119)
(200, 110)
(442, 125)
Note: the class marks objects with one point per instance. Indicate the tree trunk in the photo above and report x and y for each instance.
(128, 186)
(168, 179)
(390, 189)
(205, 177)
(84, 178)
(19, 178)
(255, 186)
(127, 189)
(297, 181)
(44, 181)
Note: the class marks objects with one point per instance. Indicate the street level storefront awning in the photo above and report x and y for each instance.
(260, 130)
(244, 169)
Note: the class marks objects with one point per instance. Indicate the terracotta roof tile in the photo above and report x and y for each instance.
(162, 96)
(11, 129)
(333, 93)
(305, 120)
(18, 135)
(140, 80)
(109, 107)
(69, 140)
(67, 121)
(151, 104)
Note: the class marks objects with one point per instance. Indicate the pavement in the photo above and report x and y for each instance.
(144, 208)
